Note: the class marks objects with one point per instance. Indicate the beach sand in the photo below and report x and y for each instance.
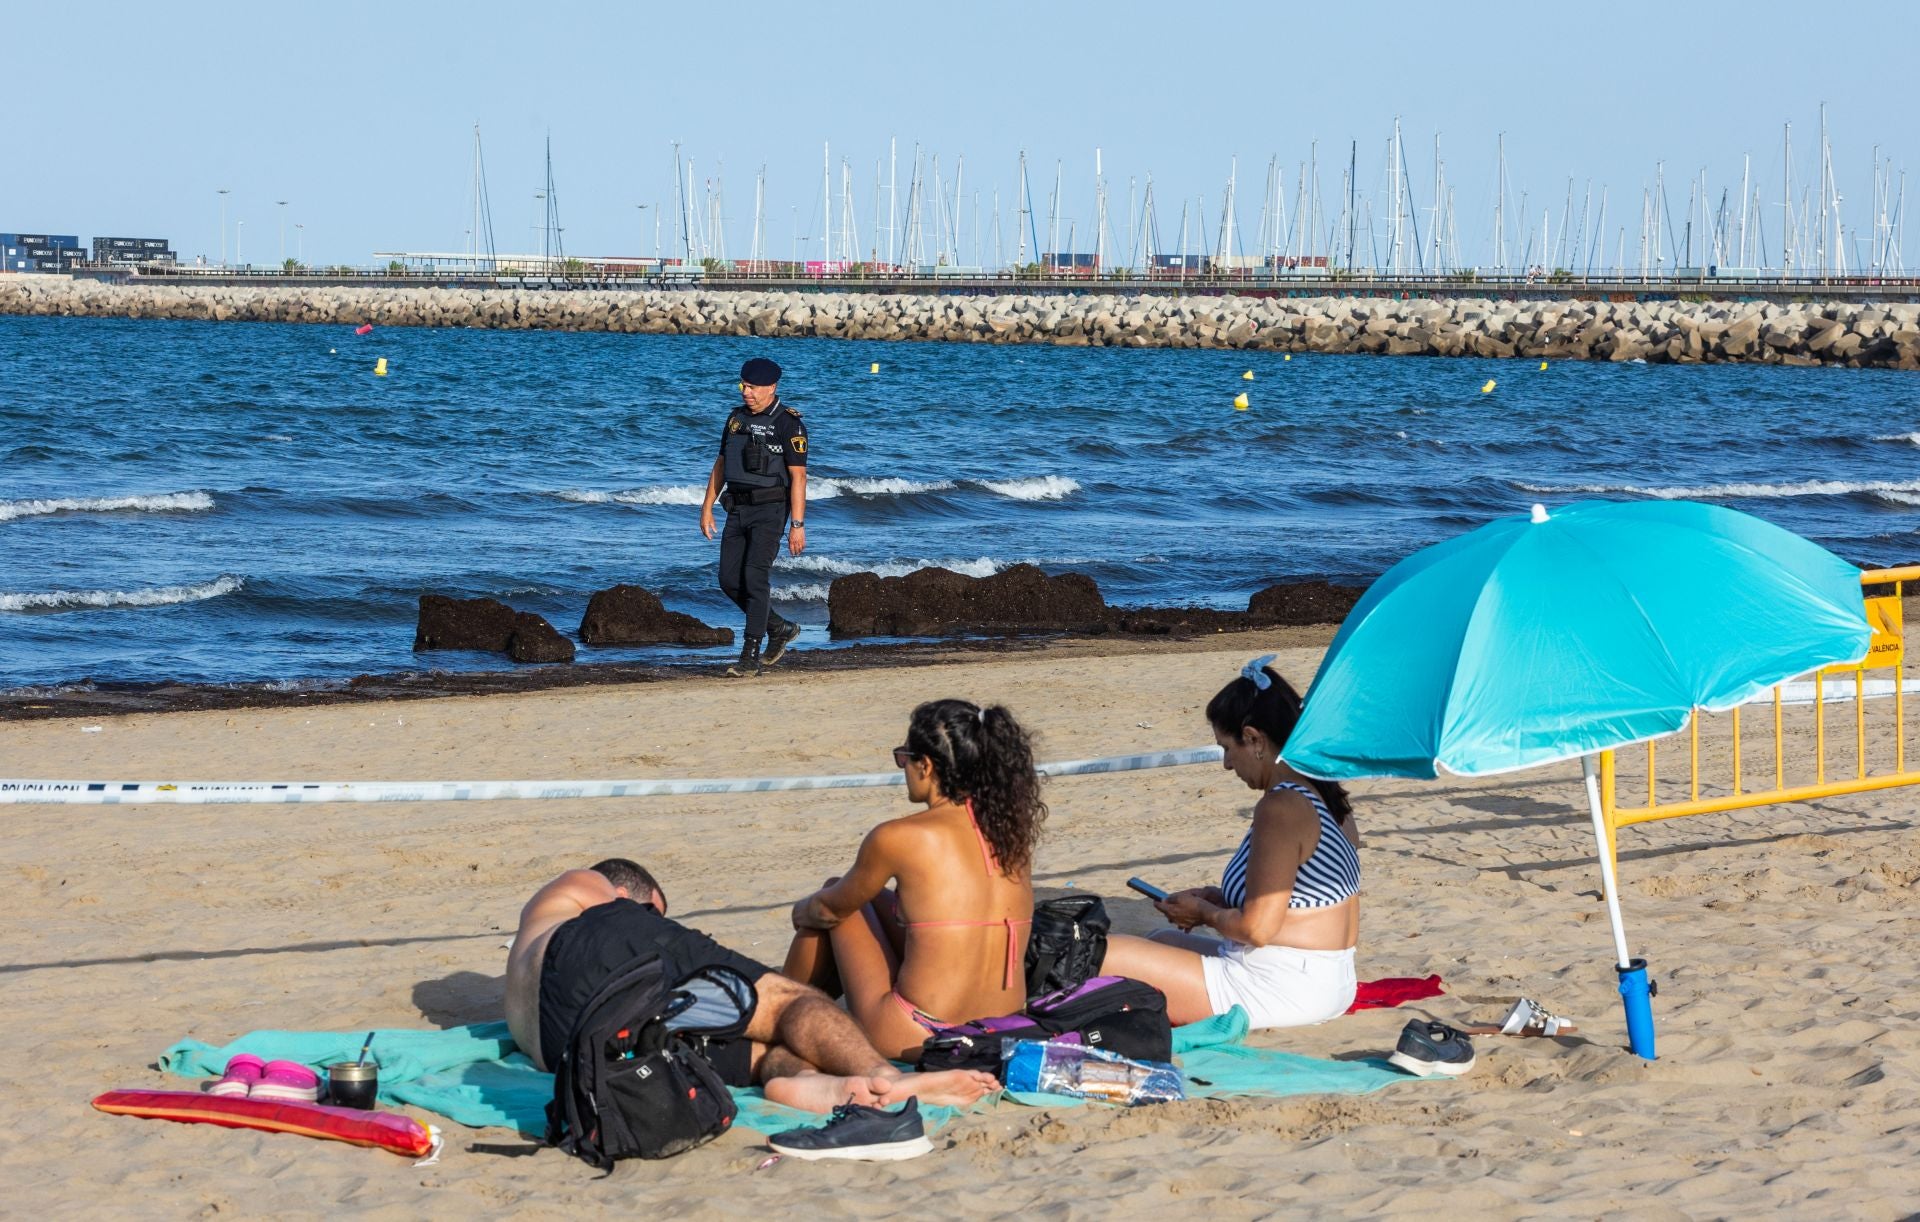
(1783, 940)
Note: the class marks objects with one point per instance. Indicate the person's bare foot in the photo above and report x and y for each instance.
(818, 1092)
(950, 1088)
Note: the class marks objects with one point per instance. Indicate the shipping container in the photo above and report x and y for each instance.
(153, 243)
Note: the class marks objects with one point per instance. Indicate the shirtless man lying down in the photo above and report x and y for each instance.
(805, 1050)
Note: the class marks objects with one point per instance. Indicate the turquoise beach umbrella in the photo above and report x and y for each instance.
(1554, 636)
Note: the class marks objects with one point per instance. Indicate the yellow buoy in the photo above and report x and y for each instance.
(1488, 388)
(1543, 364)
(1240, 402)
(875, 367)
(1247, 376)
(380, 368)
(1287, 357)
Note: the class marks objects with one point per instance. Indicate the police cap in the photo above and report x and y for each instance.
(759, 372)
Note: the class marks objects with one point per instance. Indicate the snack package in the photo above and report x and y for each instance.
(1088, 1073)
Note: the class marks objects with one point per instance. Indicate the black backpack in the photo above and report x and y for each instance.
(1067, 944)
(1121, 1016)
(626, 1086)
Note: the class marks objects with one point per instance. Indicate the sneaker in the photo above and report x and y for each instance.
(287, 1081)
(860, 1132)
(243, 1072)
(779, 636)
(1429, 1048)
(748, 666)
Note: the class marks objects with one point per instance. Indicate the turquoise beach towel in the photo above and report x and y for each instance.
(475, 1075)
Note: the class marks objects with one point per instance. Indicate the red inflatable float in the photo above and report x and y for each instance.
(386, 1130)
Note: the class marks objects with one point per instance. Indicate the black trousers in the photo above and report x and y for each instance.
(748, 546)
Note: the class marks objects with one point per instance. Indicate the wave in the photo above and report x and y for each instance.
(984, 566)
(828, 487)
(158, 596)
(669, 494)
(829, 566)
(165, 502)
(811, 592)
(1038, 488)
(1912, 439)
(831, 487)
(1885, 489)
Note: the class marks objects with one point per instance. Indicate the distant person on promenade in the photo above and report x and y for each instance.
(1286, 914)
(948, 942)
(586, 925)
(763, 465)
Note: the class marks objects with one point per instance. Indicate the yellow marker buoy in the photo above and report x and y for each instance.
(1287, 357)
(1543, 364)
(1488, 388)
(874, 368)
(1240, 402)
(380, 368)
(1247, 376)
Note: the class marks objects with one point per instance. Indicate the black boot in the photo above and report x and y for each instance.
(780, 634)
(748, 667)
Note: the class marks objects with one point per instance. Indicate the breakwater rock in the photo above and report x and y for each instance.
(490, 626)
(1811, 333)
(1023, 599)
(630, 615)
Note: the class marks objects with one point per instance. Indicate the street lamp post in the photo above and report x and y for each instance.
(643, 222)
(239, 231)
(223, 226)
(299, 243)
(283, 231)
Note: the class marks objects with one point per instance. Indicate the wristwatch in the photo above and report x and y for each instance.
(799, 525)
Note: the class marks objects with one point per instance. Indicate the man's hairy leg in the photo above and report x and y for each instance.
(788, 1079)
(816, 1033)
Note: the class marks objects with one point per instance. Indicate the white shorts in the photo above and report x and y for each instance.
(1280, 986)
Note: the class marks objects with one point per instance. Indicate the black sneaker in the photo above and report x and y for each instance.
(779, 636)
(1429, 1048)
(860, 1132)
(748, 666)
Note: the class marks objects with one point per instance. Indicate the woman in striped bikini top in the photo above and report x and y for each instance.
(1295, 879)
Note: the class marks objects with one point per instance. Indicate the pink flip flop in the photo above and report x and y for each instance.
(243, 1072)
(289, 1081)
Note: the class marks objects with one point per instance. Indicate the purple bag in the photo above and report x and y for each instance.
(1121, 1016)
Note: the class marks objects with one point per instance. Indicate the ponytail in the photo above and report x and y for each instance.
(1273, 708)
(983, 756)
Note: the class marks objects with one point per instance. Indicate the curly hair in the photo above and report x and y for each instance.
(1274, 712)
(984, 756)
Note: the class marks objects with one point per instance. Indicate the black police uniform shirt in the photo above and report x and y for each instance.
(779, 436)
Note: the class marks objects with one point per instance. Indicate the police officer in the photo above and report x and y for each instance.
(763, 462)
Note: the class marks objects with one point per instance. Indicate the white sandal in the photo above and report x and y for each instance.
(1529, 1018)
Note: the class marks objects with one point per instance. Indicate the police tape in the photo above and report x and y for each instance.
(213, 793)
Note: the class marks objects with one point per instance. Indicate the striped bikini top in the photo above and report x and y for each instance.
(1330, 875)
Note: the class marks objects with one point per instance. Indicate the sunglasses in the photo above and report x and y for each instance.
(901, 756)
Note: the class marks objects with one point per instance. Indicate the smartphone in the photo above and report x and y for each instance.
(1147, 889)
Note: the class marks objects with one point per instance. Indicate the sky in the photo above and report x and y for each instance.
(361, 116)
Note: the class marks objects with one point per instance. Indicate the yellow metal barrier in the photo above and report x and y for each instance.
(1885, 653)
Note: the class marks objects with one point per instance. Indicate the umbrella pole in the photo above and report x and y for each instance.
(1635, 991)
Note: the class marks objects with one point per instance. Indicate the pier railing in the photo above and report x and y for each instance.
(1626, 285)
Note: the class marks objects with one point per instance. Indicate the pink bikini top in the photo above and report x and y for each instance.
(992, 867)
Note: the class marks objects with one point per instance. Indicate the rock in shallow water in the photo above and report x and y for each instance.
(463, 623)
(941, 602)
(630, 615)
(535, 640)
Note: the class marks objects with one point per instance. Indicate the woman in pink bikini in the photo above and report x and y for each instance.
(948, 941)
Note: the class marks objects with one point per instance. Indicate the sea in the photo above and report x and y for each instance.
(249, 502)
